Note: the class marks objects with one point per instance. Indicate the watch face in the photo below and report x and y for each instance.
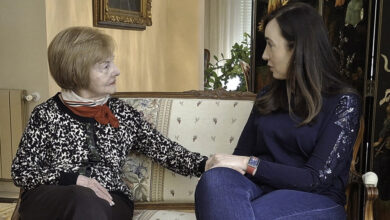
(253, 161)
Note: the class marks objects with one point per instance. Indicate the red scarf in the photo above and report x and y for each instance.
(97, 109)
(101, 114)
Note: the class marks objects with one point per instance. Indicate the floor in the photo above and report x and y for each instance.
(8, 194)
(6, 210)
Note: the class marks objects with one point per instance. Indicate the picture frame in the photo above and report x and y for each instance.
(122, 14)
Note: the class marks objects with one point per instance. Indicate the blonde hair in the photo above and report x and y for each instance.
(73, 52)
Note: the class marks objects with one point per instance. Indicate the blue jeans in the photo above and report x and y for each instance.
(225, 194)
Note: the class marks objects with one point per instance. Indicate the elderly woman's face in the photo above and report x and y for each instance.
(102, 80)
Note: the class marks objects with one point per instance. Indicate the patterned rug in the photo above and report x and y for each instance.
(6, 210)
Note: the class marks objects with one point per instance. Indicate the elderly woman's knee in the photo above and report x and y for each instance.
(83, 196)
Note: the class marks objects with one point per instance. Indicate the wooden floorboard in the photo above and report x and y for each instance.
(6, 210)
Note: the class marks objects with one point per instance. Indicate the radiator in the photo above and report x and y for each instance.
(12, 123)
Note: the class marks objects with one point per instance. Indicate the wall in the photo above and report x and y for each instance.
(167, 56)
(23, 46)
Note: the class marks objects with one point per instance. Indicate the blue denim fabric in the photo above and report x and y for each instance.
(225, 194)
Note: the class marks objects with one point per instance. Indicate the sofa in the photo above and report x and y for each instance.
(204, 122)
(207, 122)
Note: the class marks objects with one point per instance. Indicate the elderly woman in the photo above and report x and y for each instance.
(70, 156)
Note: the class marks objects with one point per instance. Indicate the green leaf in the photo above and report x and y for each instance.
(229, 67)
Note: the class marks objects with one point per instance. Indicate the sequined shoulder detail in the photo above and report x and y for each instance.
(347, 118)
(347, 113)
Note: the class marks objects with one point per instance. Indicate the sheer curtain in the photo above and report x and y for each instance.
(225, 23)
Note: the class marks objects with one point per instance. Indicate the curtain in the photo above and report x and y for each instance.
(225, 23)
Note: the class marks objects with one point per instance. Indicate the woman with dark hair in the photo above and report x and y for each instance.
(293, 157)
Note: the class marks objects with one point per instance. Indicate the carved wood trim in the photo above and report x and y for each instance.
(354, 176)
(371, 195)
(164, 206)
(356, 146)
(212, 94)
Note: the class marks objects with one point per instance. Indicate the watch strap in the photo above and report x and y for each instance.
(253, 163)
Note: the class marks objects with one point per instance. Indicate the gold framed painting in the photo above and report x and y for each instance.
(123, 14)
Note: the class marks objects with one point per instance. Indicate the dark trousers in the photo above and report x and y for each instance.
(72, 202)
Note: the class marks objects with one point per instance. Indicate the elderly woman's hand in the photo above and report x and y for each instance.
(238, 163)
(100, 191)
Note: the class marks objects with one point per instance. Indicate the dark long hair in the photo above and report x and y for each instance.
(313, 70)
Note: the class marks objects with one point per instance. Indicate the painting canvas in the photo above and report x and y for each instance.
(127, 5)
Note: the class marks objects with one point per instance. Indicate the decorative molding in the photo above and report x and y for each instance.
(164, 206)
(163, 116)
(222, 94)
(386, 97)
(386, 63)
(211, 94)
(157, 183)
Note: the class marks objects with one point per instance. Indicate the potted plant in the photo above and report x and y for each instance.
(217, 75)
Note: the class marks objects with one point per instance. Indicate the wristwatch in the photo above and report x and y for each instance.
(253, 163)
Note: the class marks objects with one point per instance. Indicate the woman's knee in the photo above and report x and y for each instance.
(83, 203)
(222, 180)
(80, 196)
(63, 202)
(218, 176)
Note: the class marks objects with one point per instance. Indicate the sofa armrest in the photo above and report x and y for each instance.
(370, 180)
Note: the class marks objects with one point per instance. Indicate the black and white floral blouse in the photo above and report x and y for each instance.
(56, 147)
